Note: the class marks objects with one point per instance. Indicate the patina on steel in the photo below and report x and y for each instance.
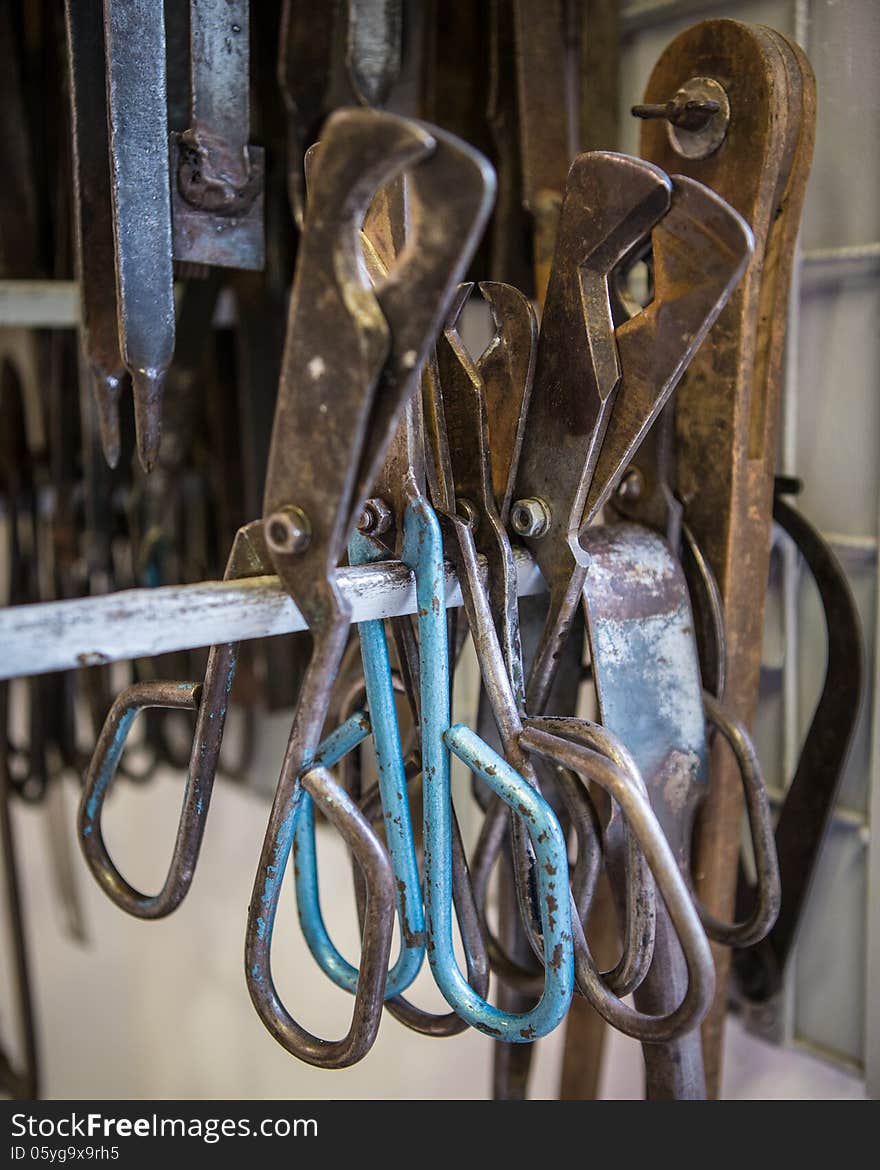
(459, 445)
(352, 359)
(648, 686)
(506, 368)
(728, 403)
(134, 32)
(585, 367)
(466, 913)
(648, 683)
(650, 1024)
(423, 552)
(700, 251)
(374, 46)
(93, 215)
(809, 800)
(248, 558)
(305, 48)
(545, 150)
(611, 202)
(217, 175)
(457, 436)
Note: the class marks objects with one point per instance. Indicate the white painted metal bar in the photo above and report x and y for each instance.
(54, 304)
(138, 623)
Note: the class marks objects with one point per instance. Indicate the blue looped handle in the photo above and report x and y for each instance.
(395, 806)
(423, 553)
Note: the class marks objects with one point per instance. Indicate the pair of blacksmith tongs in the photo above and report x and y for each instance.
(589, 369)
(351, 361)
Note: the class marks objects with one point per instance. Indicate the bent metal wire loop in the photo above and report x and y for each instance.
(423, 552)
(398, 824)
(580, 758)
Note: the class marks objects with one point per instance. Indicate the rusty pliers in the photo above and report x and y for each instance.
(351, 360)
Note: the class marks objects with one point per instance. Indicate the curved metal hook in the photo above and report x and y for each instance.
(635, 807)
(422, 551)
(769, 890)
(370, 854)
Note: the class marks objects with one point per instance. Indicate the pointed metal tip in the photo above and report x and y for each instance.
(106, 389)
(147, 388)
(459, 300)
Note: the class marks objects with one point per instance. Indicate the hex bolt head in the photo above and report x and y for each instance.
(530, 517)
(288, 530)
(375, 517)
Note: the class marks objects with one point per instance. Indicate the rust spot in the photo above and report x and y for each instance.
(92, 658)
(527, 1033)
(556, 960)
(550, 868)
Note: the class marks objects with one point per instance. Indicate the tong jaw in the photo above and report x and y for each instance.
(338, 341)
(611, 202)
(507, 367)
(701, 248)
(357, 347)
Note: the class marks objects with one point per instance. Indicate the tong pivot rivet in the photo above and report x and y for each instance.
(530, 517)
(697, 117)
(288, 530)
(375, 517)
(467, 512)
(631, 486)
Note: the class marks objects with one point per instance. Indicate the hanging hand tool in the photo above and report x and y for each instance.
(755, 152)
(462, 484)
(309, 68)
(649, 690)
(422, 551)
(93, 216)
(809, 800)
(354, 352)
(545, 132)
(216, 173)
(134, 33)
(586, 369)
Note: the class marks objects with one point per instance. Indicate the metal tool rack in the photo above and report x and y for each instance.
(835, 299)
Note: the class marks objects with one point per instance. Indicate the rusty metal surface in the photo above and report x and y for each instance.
(352, 360)
(809, 800)
(544, 122)
(93, 215)
(134, 34)
(611, 202)
(217, 176)
(649, 690)
(210, 699)
(374, 47)
(728, 402)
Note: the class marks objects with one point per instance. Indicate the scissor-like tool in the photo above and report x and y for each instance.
(351, 362)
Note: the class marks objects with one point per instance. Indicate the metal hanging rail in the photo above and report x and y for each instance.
(138, 623)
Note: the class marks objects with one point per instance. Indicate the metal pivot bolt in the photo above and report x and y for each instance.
(698, 117)
(530, 517)
(288, 530)
(375, 517)
(467, 511)
(631, 486)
